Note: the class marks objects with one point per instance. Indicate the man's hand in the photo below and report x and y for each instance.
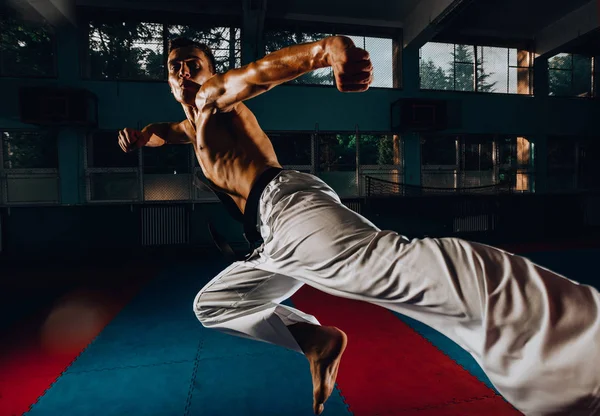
(351, 66)
(130, 139)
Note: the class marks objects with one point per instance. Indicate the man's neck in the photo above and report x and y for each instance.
(190, 112)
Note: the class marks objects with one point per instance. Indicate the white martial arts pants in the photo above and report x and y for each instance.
(536, 334)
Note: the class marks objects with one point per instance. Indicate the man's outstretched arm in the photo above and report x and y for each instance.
(351, 67)
(156, 134)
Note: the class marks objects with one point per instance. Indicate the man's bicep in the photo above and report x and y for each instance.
(223, 91)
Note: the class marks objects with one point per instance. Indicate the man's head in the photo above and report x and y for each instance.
(190, 64)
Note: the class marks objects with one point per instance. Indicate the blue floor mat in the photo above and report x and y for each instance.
(155, 358)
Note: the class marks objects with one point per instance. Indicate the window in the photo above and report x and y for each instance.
(456, 67)
(29, 150)
(167, 173)
(131, 50)
(30, 167)
(570, 75)
(380, 49)
(26, 49)
(112, 175)
(293, 149)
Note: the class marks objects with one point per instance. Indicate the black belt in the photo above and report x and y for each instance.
(250, 217)
(251, 232)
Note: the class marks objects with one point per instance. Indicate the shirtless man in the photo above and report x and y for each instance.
(534, 332)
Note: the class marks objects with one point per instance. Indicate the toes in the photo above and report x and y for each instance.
(318, 408)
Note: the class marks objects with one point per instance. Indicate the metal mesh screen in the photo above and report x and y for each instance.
(570, 75)
(456, 67)
(381, 51)
(26, 49)
(126, 50)
(136, 50)
(380, 187)
(166, 173)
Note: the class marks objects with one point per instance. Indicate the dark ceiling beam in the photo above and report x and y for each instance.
(557, 36)
(428, 18)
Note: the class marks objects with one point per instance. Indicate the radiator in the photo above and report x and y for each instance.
(353, 205)
(165, 225)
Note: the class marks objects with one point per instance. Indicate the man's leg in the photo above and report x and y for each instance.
(246, 302)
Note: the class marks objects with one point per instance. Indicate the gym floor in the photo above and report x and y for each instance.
(122, 340)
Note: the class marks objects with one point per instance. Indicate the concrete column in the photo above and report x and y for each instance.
(252, 30)
(412, 158)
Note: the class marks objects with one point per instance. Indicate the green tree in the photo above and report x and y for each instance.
(462, 68)
(433, 77)
(569, 75)
(26, 49)
(462, 73)
(126, 50)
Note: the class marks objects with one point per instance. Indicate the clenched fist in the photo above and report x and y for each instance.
(351, 66)
(130, 139)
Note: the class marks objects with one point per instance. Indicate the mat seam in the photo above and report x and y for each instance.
(188, 403)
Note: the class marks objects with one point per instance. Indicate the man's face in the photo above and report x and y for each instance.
(189, 68)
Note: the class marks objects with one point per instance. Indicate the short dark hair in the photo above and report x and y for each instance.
(185, 42)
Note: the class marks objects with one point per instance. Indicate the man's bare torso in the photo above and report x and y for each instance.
(231, 148)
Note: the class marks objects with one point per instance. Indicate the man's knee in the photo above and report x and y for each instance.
(204, 310)
(214, 307)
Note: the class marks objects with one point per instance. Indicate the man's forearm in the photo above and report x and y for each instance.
(165, 133)
(223, 91)
(289, 63)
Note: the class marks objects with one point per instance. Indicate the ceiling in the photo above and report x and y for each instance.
(489, 21)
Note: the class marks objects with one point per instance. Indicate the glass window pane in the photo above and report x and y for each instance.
(439, 151)
(582, 76)
(26, 49)
(29, 150)
(463, 76)
(560, 61)
(292, 149)
(560, 82)
(104, 152)
(32, 188)
(436, 63)
(126, 50)
(561, 151)
(114, 187)
(381, 52)
(380, 149)
(492, 69)
(169, 159)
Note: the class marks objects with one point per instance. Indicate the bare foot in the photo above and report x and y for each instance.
(323, 347)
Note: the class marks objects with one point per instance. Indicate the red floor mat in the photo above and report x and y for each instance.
(39, 349)
(388, 369)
